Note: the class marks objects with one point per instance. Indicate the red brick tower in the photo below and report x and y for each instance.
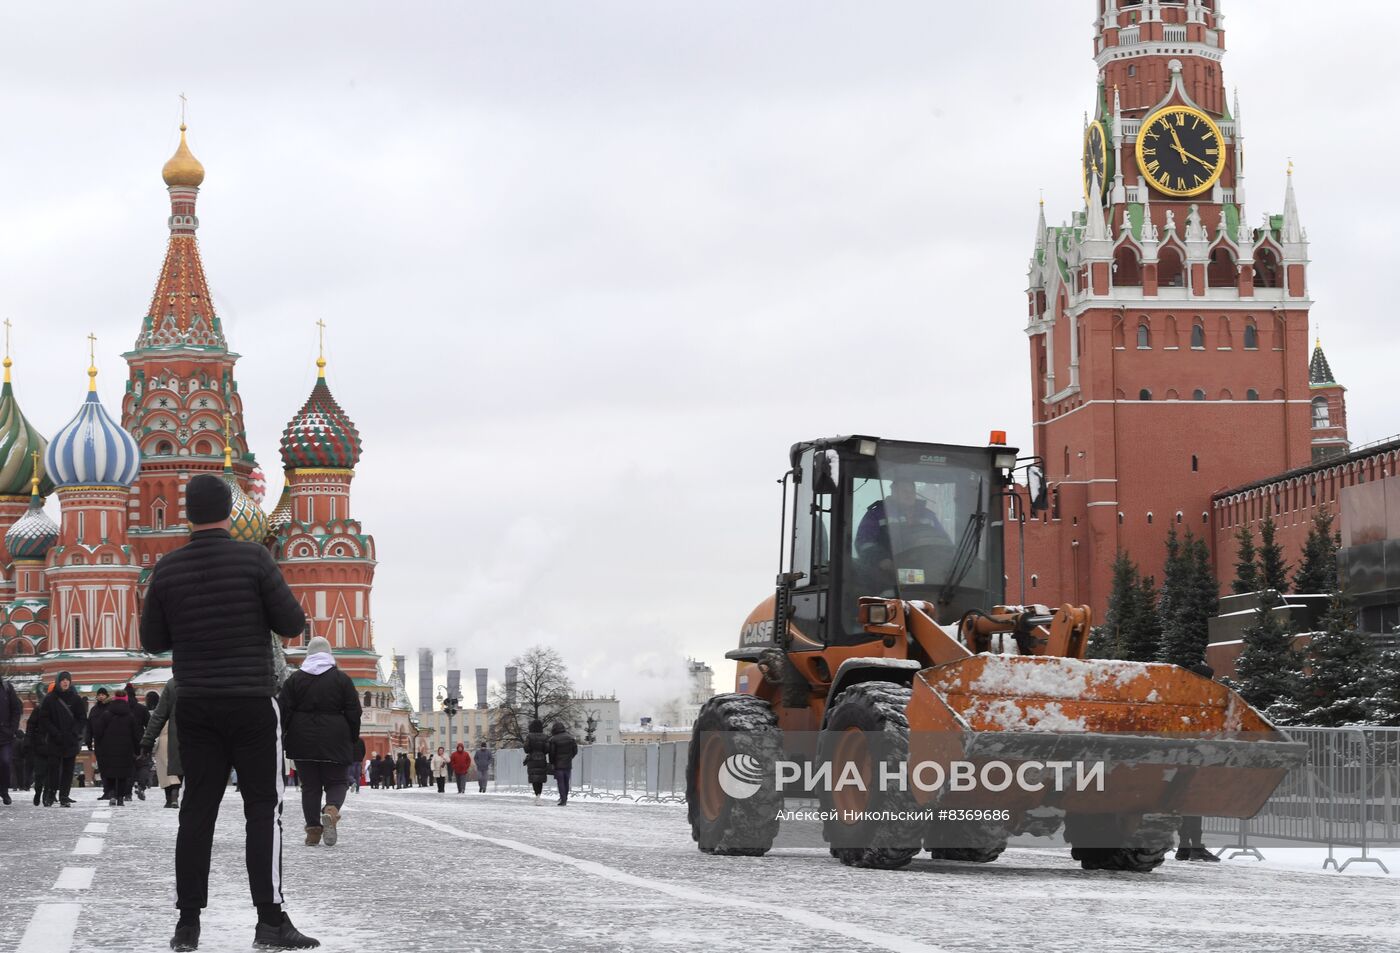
(326, 556)
(1168, 338)
(181, 379)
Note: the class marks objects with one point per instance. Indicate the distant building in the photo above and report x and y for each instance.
(701, 689)
(646, 732)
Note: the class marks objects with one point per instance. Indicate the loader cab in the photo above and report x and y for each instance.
(873, 517)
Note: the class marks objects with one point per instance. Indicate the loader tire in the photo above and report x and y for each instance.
(968, 855)
(1137, 844)
(734, 733)
(868, 725)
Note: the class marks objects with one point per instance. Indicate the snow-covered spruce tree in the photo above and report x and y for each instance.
(1173, 577)
(1123, 597)
(1273, 570)
(1318, 570)
(1246, 563)
(1186, 631)
(1267, 670)
(1144, 639)
(1340, 684)
(1386, 702)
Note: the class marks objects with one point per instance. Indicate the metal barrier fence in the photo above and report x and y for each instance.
(1346, 795)
(650, 772)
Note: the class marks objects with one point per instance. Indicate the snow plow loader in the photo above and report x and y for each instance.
(887, 679)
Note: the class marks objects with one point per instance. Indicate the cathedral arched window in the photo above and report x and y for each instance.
(1321, 413)
(1144, 336)
(1251, 338)
(164, 448)
(1198, 336)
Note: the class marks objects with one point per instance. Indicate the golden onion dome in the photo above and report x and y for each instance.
(183, 169)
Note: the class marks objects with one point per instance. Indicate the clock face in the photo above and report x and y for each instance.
(1095, 157)
(1179, 150)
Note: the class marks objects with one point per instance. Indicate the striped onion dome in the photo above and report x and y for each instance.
(282, 513)
(18, 439)
(257, 485)
(92, 449)
(320, 435)
(33, 534)
(247, 521)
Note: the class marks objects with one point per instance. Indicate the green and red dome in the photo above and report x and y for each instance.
(320, 435)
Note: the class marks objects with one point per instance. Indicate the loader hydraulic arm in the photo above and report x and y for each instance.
(1063, 632)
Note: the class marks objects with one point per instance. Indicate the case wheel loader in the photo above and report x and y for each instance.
(887, 645)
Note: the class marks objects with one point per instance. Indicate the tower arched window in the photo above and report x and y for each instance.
(1221, 271)
(1321, 413)
(1127, 268)
(1144, 336)
(1251, 394)
(1198, 394)
(1267, 271)
(1251, 338)
(1171, 273)
(1198, 336)
(1144, 394)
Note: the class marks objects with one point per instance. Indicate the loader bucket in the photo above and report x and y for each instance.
(1149, 738)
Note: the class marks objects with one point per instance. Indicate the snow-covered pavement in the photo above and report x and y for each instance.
(416, 870)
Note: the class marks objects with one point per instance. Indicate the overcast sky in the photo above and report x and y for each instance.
(588, 268)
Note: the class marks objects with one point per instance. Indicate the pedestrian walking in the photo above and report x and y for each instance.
(100, 700)
(23, 762)
(484, 760)
(405, 771)
(375, 770)
(537, 758)
(438, 765)
(44, 751)
(11, 710)
(161, 743)
(142, 714)
(461, 763)
(357, 767)
(422, 764)
(66, 715)
(211, 603)
(321, 713)
(1191, 845)
(116, 740)
(562, 750)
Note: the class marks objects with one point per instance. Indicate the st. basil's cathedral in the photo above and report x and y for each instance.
(70, 598)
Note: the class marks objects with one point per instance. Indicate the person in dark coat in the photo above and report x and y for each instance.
(1189, 828)
(405, 770)
(211, 604)
(537, 757)
(376, 770)
(357, 767)
(43, 751)
(562, 748)
(321, 716)
(161, 743)
(11, 710)
(483, 759)
(65, 713)
(423, 768)
(100, 700)
(24, 761)
(116, 739)
(142, 714)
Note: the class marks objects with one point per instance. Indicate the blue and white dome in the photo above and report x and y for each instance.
(33, 534)
(92, 449)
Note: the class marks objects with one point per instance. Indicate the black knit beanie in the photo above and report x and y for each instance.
(208, 499)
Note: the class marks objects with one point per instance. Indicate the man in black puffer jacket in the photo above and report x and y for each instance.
(211, 604)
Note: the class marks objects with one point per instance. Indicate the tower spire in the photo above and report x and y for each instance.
(228, 446)
(92, 363)
(321, 332)
(8, 362)
(1292, 231)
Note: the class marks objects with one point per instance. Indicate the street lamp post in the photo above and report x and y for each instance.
(450, 709)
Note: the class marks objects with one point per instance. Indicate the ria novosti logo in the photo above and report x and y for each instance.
(740, 776)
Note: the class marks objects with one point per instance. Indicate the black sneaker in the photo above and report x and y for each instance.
(283, 936)
(66, 803)
(1184, 853)
(1202, 853)
(36, 797)
(186, 934)
(5, 799)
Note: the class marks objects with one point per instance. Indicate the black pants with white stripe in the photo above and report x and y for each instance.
(217, 734)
